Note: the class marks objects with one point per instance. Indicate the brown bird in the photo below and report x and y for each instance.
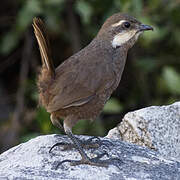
(79, 87)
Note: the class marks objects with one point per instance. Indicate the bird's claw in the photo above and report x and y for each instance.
(98, 142)
(93, 161)
(85, 160)
(66, 146)
(86, 144)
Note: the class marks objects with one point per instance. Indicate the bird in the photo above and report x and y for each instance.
(80, 86)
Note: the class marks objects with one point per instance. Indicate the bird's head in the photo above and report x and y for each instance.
(122, 30)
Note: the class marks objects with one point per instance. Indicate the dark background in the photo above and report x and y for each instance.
(151, 75)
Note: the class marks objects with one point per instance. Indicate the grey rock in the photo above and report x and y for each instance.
(32, 160)
(156, 127)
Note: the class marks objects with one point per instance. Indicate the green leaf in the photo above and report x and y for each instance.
(44, 120)
(172, 80)
(54, 2)
(29, 10)
(85, 10)
(27, 137)
(9, 42)
(137, 6)
(112, 106)
(95, 128)
(147, 65)
(23, 20)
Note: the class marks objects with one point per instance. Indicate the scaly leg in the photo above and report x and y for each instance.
(84, 158)
(86, 144)
(68, 123)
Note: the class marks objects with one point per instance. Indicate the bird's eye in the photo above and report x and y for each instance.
(127, 24)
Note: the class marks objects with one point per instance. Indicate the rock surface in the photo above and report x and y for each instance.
(157, 127)
(32, 160)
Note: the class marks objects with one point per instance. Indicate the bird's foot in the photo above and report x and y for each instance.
(93, 142)
(79, 144)
(93, 161)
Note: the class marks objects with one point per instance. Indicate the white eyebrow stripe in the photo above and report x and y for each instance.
(118, 23)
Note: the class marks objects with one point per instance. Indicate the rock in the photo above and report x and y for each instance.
(156, 127)
(32, 160)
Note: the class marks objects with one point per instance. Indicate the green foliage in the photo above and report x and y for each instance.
(112, 106)
(27, 137)
(9, 42)
(29, 10)
(24, 19)
(85, 10)
(95, 128)
(44, 121)
(172, 80)
(147, 65)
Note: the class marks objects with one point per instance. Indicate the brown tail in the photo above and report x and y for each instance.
(43, 41)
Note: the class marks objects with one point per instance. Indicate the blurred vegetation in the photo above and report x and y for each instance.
(151, 75)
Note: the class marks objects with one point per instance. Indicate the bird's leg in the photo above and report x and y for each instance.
(86, 144)
(84, 158)
(56, 123)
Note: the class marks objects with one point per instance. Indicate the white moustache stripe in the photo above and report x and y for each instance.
(123, 37)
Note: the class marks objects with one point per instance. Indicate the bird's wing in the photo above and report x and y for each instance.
(77, 83)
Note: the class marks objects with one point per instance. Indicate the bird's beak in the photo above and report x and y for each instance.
(144, 27)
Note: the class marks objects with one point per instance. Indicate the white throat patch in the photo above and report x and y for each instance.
(123, 37)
